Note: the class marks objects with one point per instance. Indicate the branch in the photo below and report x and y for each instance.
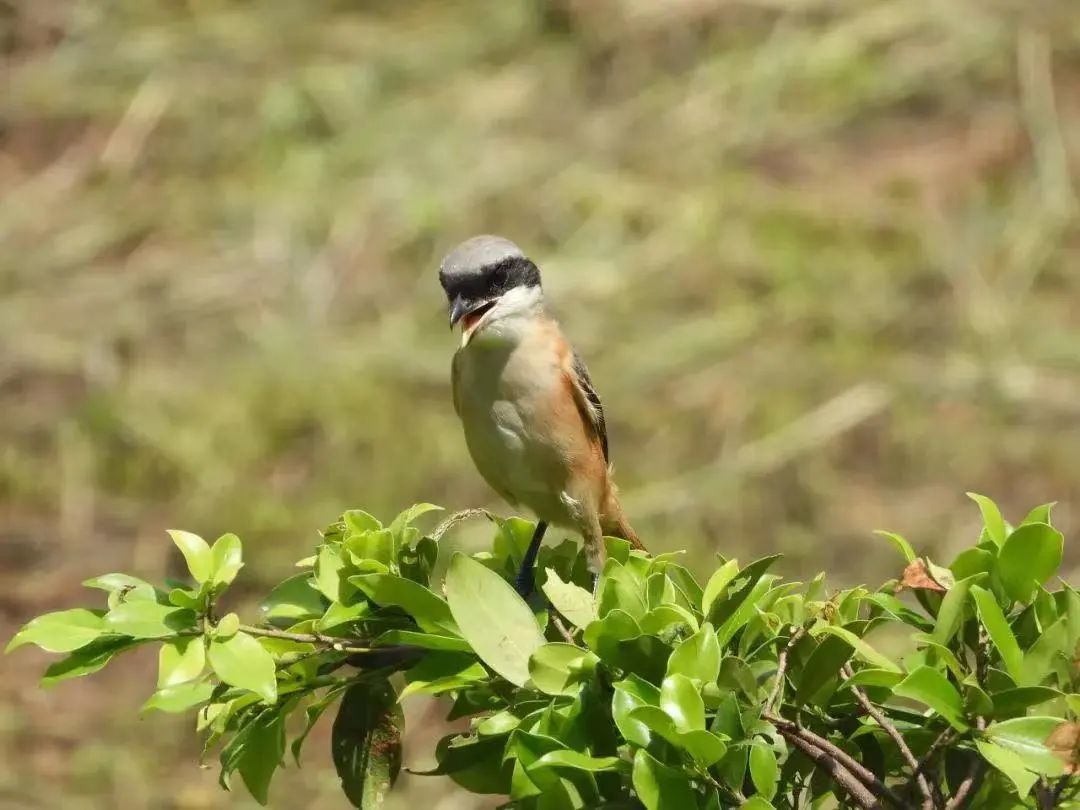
(894, 733)
(859, 771)
(563, 631)
(943, 739)
(458, 517)
(777, 692)
(841, 775)
(331, 643)
(971, 782)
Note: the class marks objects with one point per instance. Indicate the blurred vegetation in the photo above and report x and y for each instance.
(821, 255)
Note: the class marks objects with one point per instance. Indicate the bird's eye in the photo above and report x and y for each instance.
(499, 276)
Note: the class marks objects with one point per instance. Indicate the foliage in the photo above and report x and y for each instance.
(658, 691)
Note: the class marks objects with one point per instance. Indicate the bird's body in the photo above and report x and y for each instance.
(533, 423)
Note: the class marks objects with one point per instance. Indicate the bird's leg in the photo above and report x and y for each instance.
(524, 582)
(595, 551)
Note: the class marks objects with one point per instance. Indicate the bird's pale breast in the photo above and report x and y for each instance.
(504, 389)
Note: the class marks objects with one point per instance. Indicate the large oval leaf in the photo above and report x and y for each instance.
(492, 617)
(1000, 632)
(242, 662)
(63, 631)
(1029, 557)
(366, 743)
(429, 609)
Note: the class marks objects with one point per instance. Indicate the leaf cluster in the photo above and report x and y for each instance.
(950, 686)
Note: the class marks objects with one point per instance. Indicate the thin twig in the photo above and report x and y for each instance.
(867, 777)
(972, 780)
(943, 739)
(563, 631)
(777, 693)
(458, 517)
(841, 775)
(893, 732)
(342, 645)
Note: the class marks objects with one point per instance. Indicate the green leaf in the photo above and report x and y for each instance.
(930, 687)
(1000, 632)
(493, 618)
(475, 764)
(122, 587)
(682, 702)
(226, 560)
(633, 693)
(180, 660)
(441, 672)
(862, 649)
(242, 662)
(621, 589)
(698, 657)
(660, 787)
(328, 572)
(666, 619)
(824, 663)
(937, 650)
(196, 553)
(1009, 764)
(874, 677)
(902, 545)
(1040, 514)
(312, 714)
(995, 524)
(227, 626)
(427, 641)
(555, 668)
(763, 769)
(430, 611)
(262, 752)
(575, 760)
(1029, 557)
(87, 660)
(295, 600)
(338, 614)
(717, 585)
(406, 518)
(951, 613)
(63, 631)
(746, 599)
(179, 698)
(574, 602)
(366, 743)
(1019, 700)
(1026, 737)
(143, 619)
(757, 803)
(603, 636)
(357, 521)
(973, 561)
(1053, 642)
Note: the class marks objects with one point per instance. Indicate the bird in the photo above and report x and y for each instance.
(533, 422)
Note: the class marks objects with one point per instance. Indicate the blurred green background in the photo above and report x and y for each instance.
(823, 258)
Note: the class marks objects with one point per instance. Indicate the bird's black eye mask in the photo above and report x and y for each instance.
(491, 281)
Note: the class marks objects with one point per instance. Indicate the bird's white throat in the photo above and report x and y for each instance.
(507, 320)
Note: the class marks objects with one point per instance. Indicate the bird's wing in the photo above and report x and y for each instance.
(455, 382)
(589, 401)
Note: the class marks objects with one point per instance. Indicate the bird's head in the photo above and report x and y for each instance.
(487, 279)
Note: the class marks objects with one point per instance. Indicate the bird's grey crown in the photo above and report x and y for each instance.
(473, 255)
(486, 266)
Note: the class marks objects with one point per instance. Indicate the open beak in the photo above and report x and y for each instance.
(459, 308)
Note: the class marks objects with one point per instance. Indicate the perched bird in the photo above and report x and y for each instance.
(533, 422)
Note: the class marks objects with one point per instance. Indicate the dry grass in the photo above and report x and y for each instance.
(823, 257)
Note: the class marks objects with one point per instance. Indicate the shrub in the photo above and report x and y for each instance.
(744, 691)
